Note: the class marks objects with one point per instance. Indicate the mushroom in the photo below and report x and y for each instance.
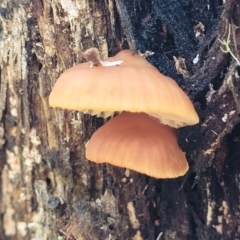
(138, 142)
(135, 86)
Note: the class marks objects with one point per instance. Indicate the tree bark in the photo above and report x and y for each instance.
(48, 188)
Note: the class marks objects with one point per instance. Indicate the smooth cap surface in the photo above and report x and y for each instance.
(134, 86)
(138, 142)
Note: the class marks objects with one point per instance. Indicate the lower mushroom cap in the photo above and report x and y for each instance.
(138, 142)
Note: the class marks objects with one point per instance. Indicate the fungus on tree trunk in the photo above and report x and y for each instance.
(138, 142)
(133, 139)
(134, 86)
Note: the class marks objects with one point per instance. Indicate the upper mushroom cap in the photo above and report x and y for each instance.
(134, 86)
(138, 142)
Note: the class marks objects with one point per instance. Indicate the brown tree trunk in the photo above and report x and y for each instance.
(49, 190)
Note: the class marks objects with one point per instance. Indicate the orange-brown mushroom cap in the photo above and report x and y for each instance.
(138, 142)
(134, 86)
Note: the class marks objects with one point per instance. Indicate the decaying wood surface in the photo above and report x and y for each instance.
(49, 190)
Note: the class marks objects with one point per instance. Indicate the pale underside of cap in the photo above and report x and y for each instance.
(138, 142)
(134, 86)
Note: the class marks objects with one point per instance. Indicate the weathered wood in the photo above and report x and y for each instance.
(49, 190)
